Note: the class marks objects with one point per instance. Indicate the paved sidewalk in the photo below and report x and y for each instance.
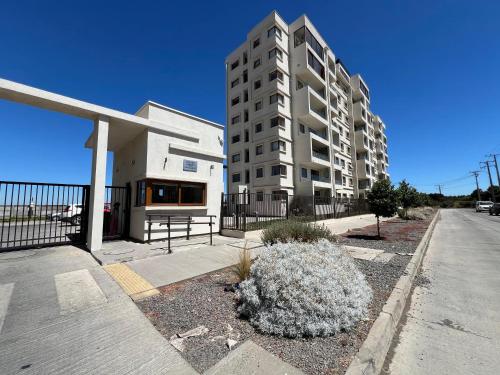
(453, 323)
(61, 313)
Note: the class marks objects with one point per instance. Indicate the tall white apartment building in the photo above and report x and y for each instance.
(297, 121)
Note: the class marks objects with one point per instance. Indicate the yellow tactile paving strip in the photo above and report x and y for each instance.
(132, 283)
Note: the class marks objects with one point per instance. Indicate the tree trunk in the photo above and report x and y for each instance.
(378, 226)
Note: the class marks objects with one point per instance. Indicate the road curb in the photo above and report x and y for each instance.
(371, 356)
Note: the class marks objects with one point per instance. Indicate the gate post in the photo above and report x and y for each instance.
(84, 226)
(221, 218)
(98, 183)
(128, 205)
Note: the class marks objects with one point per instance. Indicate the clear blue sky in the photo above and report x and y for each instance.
(433, 68)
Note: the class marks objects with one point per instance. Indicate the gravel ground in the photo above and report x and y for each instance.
(203, 301)
(398, 236)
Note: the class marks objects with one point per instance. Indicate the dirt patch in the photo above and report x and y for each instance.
(397, 236)
(204, 301)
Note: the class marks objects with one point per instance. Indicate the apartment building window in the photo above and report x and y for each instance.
(350, 182)
(258, 105)
(256, 63)
(236, 177)
(276, 74)
(304, 35)
(247, 176)
(274, 31)
(235, 82)
(275, 52)
(235, 101)
(235, 120)
(247, 155)
(278, 120)
(302, 128)
(245, 115)
(245, 57)
(367, 169)
(259, 196)
(277, 98)
(257, 84)
(348, 150)
(344, 181)
(235, 64)
(278, 145)
(304, 172)
(315, 64)
(235, 138)
(256, 43)
(245, 76)
(259, 150)
(235, 158)
(258, 127)
(247, 136)
(245, 96)
(259, 172)
(347, 134)
(278, 170)
(342, 163)
(337, 160)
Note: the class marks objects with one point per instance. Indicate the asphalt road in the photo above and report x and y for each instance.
(453, 323)
(36, 233)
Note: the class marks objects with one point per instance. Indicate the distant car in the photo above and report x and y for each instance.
(495, 209)
(483, 206)
(72, 213)
(54, 216)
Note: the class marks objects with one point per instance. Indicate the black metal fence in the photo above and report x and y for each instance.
(40, 214)
(251, 211)
(116, 212)
(34, 214)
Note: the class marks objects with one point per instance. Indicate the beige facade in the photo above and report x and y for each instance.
(291, 116)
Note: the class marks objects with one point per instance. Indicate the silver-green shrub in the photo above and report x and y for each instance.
(304, 289)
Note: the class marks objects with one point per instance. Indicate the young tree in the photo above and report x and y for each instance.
(382, 200)
(408, 196)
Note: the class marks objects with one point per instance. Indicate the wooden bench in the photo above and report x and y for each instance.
(170, 220)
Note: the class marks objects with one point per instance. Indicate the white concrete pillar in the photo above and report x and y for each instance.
(98, 184)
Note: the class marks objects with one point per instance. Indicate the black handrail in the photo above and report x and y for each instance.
(168, 220)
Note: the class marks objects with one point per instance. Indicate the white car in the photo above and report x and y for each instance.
(483, 206)
(72, 213)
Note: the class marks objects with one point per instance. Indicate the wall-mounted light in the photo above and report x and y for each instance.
(211, 167)
(165, 162)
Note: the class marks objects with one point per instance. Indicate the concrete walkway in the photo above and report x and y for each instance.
(336, 226)
(453, 323)
(61, 313)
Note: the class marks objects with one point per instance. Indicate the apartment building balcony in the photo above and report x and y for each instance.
(361, 140)
(359, 113)
(319, 178)
(359, 88)
(311, 108)
(342, 73)
(307, 68)
(363, 168)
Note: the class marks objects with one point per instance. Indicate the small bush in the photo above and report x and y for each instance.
(242, 268)
(419, 213)
(292, 230)
(300, 289)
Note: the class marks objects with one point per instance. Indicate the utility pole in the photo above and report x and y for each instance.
(439, 187)
(476, 174)
(494, 156)
(487, 163)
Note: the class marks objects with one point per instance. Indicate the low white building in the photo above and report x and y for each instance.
(175, 172)
(172, 161)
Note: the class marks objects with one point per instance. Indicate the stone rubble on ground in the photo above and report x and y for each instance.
(177, 340)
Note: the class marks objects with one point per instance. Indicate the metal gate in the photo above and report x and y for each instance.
(34, 214)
